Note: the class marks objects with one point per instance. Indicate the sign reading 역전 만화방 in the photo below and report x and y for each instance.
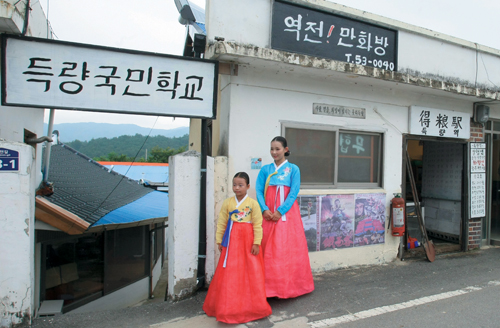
(63, 75)
(319, 33)
(439, 123)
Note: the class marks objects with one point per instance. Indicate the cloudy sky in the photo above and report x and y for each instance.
(152, 25)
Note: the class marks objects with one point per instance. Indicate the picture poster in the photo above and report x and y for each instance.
(308, 211)
(369, 215)
(343, 221)
(337, 221)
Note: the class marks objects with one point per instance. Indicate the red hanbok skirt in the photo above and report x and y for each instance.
(236, 293)
(286, 257)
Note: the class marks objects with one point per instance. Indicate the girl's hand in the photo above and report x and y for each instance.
(220, 247)
(267, 215)
(276, 216)
(255, 249)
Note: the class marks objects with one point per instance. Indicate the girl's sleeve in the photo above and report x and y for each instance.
(294, 191)
(257, 224)
(222, 222)
(260, 185)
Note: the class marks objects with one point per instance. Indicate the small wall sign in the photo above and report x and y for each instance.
(9, 160)
(341, 111)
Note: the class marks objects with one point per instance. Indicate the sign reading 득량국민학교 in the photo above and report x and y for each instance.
(63, 75)
(439, 122)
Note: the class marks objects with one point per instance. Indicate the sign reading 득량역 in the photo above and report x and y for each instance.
(439, 122)
(54, 74)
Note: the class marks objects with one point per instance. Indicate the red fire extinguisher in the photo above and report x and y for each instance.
(398, 216)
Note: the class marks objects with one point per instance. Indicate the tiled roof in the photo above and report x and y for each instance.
(86, 188)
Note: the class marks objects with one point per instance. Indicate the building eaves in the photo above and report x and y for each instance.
(237, 53)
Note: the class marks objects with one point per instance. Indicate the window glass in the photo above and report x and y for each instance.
(354, 156)
(127, 254)
(358, 157)
(313, 151)
(74, 269)
(496, 125)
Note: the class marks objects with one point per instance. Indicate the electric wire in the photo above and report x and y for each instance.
(486, 70)
(124, 175)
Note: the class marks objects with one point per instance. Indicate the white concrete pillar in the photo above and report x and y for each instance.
(219, 192)
(17, 236)
(183, 223)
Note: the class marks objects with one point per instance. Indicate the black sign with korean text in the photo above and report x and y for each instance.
(312, 32)
(65, 75)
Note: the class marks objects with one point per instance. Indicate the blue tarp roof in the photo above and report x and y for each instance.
(150, 206)
(137, 172)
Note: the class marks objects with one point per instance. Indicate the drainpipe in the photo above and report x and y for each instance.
(199, 43)
(26, 17)
(46, 160)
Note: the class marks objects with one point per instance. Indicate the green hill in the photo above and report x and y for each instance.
(129, 146)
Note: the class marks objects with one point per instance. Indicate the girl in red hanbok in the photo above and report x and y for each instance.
(237, 291)
(286, 257)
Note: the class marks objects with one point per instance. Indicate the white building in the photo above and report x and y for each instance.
(351, 91)
(17, 187)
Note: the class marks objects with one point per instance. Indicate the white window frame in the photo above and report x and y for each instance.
(338, 130)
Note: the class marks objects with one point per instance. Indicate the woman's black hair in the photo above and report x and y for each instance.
(283, 142)
(243, 175)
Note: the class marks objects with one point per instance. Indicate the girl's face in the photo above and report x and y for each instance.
(240, 187)
(278, 151)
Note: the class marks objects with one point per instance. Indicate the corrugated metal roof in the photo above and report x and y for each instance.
(87, 189)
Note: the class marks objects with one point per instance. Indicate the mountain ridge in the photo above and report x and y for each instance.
(89, 130)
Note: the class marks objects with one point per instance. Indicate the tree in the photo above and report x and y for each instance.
(161, 155)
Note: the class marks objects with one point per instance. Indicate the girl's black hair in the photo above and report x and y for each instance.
(243, 175)
(283, 142)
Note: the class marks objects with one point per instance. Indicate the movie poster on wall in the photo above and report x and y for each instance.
(369, 215)
(310, 220)
(337, 221)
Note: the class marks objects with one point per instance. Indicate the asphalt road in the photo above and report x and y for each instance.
(457, 290)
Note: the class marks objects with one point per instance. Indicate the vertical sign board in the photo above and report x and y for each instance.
(439, 122)
(477, 179)
(312, 32)
(9, 160)
(54, 74)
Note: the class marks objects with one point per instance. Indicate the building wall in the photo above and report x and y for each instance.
(260, 100)
(122, 298)
(17, 195)
(17, 229)
(273, 87)
(451, 58)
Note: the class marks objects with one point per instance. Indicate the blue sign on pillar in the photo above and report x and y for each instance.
(9, 160)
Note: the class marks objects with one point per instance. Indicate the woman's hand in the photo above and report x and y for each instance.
(267, 215)
(276, 216)
(220, 247)
(255, 249)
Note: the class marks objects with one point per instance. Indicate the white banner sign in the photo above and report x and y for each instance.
(439, 122)
(477, 195)
(62, 75)
(477, 157)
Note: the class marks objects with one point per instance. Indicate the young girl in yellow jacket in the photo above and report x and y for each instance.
(237, 293)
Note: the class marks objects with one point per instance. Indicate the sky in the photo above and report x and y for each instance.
(152, 25)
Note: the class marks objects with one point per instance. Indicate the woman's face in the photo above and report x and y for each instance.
(278, 151)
